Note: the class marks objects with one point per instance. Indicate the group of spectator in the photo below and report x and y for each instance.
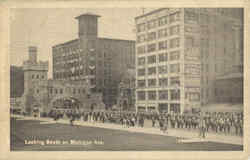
(219, 122)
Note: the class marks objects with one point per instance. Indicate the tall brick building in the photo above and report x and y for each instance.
(182, 52)
(101, 61)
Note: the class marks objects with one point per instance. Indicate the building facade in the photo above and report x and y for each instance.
(126, 90)
(43, 94)
(99, 61)
(180, 52)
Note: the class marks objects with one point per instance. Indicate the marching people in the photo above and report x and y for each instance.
(217, 122)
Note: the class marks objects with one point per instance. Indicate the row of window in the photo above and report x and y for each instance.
(163, 107)
(173, 30)
(174, 68)
(60, 91)
(173, 43)
(174, 55)
(159, 22)
(33, 76)
(163, 82)
(162, 95)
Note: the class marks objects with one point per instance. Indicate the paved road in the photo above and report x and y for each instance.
(92, 138)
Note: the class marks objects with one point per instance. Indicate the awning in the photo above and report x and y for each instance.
(222, 108)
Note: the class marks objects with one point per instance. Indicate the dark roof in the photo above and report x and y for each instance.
(68, 42)
(149, 13)
(87, 14)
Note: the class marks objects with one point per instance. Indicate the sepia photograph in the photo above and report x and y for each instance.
(126, 79)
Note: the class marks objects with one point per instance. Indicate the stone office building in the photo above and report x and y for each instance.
(100, 61)
(43, 94)
(182, 52)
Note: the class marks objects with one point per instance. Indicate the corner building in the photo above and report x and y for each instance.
(100, 61)
(180, 52)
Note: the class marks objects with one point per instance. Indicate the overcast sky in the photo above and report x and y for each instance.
(45, 28)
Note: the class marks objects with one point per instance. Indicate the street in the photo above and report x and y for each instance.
(63, 137)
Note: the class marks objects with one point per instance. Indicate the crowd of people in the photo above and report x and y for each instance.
(218, 122)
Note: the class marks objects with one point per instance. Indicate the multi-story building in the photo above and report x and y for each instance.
(47, 94)
(180, 52)
(101, 61)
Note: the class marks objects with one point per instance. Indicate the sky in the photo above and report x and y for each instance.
(44, 28)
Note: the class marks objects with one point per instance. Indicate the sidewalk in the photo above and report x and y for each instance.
(192, 136)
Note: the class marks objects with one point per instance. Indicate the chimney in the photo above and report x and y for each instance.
(33, 54)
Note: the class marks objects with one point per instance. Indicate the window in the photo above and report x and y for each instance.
(37, 91)
(32, 76)
(204, 19)
(92, 81)
(163, 95)
(163, 45)
(163, 20)
(191, 16)
(151, 36)
(79, 91)
(152, 47)
(207, 93)
(163, 82)
(174, 68)
(83, 91)
(163, 107)
(141, 72)
(151, 70)
(152, 24)
(162, 33)
(55, 91)
(141, 38)
(141, 27)
(141, 95)
(141, 50)
(152, 82)
(175, 108)
(141, 61)
(163, 69)
(175, 81)
(175, 94)
(175, 55)
(151, 59)
(174, 17)
(37, 76)
(141, 83)
(193, 96)
(190, 43)
(151, 95)
(174, 42)
(175, 30)
(163, 57)
(42, 76)
(74, 90)
(51, 91)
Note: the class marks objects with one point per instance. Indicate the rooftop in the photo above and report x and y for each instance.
(149, 13)
(87, 14)
(68, 42)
